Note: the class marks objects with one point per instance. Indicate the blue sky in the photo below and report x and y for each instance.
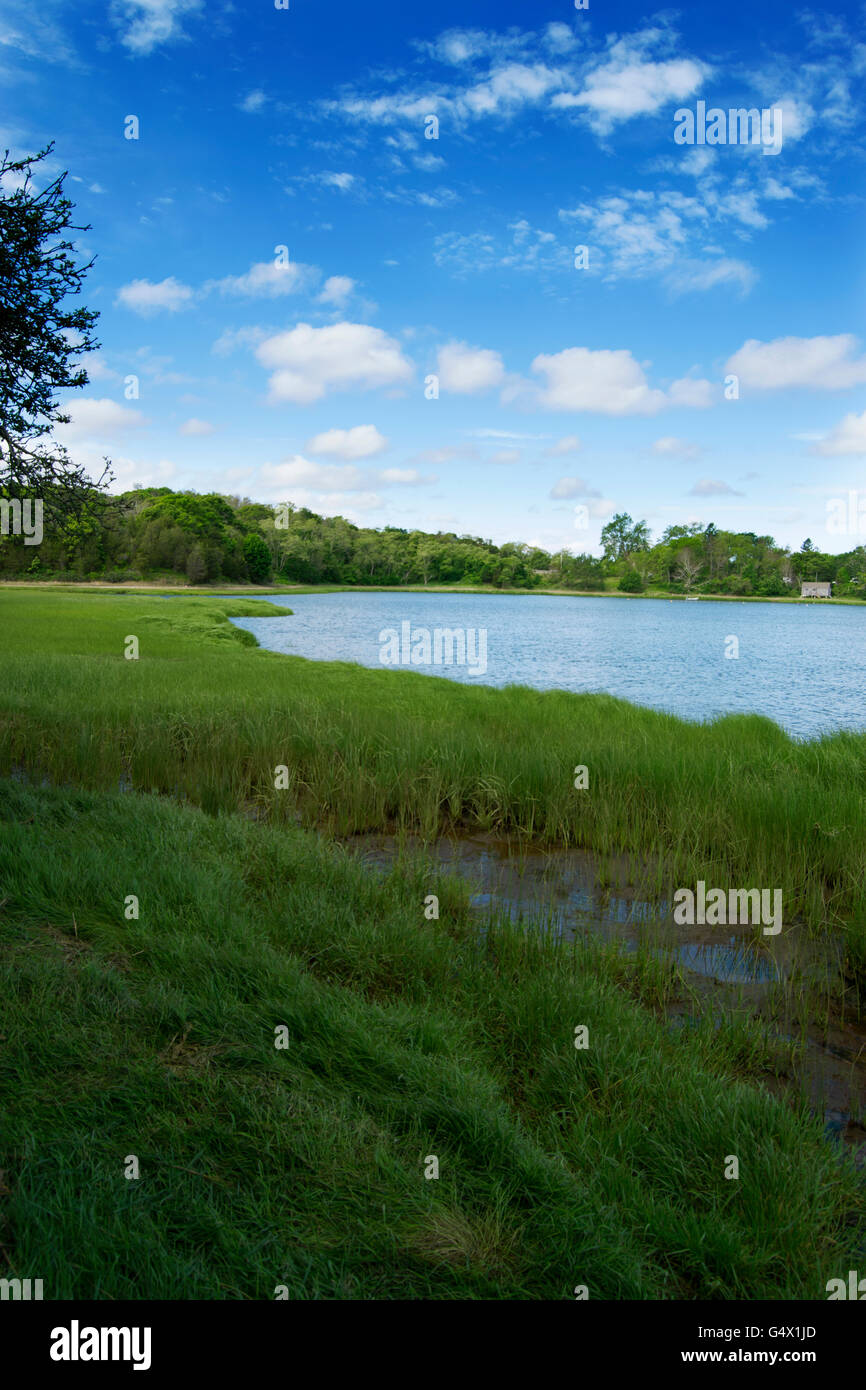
(284, 258)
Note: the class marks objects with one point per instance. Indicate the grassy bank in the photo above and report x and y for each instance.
(154, 1037)
(201, 716)
(242, 590)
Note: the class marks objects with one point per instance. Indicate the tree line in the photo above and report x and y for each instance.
(157, 534)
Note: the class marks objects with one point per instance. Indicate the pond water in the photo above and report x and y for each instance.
(803, 666)
(791, 985)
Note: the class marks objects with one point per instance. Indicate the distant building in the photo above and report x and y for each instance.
(811, 589)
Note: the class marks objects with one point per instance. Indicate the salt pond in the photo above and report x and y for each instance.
(802, 666)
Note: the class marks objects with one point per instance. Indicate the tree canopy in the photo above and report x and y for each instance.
(622, 536)
(43, 334)
(154, 533)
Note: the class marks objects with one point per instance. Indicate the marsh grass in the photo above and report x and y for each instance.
(407, 1038)
(204, 717)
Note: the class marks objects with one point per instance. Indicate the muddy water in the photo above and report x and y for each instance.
(791, 984)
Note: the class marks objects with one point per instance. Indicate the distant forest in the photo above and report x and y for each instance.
(157, 535)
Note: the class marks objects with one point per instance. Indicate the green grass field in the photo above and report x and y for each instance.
(407, 1037)
(199, 716)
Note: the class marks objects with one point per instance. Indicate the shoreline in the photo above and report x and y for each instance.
(148, 589)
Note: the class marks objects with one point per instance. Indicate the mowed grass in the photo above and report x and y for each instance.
(201, 716)
(408, 1038)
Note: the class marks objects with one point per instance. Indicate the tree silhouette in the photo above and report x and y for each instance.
(41, 337)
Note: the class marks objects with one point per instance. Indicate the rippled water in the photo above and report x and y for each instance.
(803, 666)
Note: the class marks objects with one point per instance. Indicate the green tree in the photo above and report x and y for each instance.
(257, 557)
(631, 583)
(40, 336)
(622, 537)
(196, 566)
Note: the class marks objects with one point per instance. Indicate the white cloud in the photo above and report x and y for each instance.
(232, 338)
(35, 32)
(706, 275)
(266, 279)
(506, 434)
(440, 197)
(401, 140)
(505, 456)
(362, 441)
(319, 477)
(500, 75)
(467, 252)
(569, 445)
(822, 363)
(334, 180)
(194, 427)
(797, 116)
(742, 205)
(428, 163)
(350, 504)
(403, 477)
(307, 362)
(526, 249)
(128, 472)
(464, 370)
(440, 456)
(155, 366)
(336, 290)
(98, 370)
(507, 89)
(779, 192)
(672, 447)
(627, 86)
(606, 382)
(253, 102)
(145, 297)
(147, 23)
(711, 487)
(639, 233)
(696, 393)
(98, 419)
(573, 487)
(332, 485)
(460, 46)
(89, 454)
(559, 37)
(848, 437)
